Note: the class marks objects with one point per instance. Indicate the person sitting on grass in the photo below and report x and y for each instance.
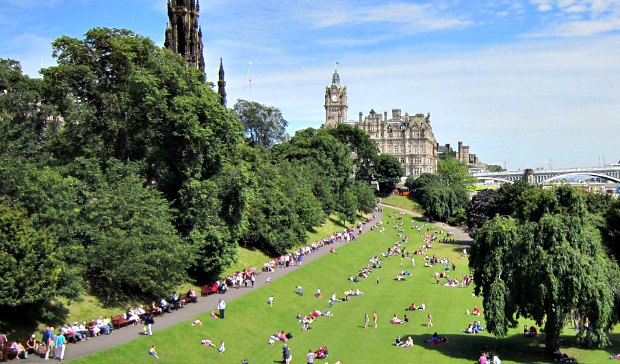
(399, 278)
(435, 339)
(476, 311)
(411, 307)
(408, 343)
(395, 320)
(153, 352)
(399, 342)
(197, 322)
(531, 332)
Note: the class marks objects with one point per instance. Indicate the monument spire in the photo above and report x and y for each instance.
(221, 85)
(183, 34)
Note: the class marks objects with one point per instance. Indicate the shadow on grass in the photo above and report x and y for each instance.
(516, 348)
(21, 322)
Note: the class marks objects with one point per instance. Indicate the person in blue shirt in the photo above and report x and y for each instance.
(61, 343)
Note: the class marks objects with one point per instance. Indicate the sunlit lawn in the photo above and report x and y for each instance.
(249, 321)
(404, 202)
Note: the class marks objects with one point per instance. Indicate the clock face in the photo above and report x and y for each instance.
(334, 97)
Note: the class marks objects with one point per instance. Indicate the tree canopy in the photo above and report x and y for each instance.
(545, 263)
(264, 125)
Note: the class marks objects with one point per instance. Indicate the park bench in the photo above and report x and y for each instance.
(209, 289)
(118, 321)
(7, 353)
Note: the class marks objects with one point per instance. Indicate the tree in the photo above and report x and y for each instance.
(347, 207)
(133, 250)
(546, 267)
(366, 199)
(54, 203)
(364, 150)
(264, 125)
(326, 156)
(28, 264)
(495, 168)
(25, 121)
(452, 172)
(387, 172)
(612, 219)
(480, 209)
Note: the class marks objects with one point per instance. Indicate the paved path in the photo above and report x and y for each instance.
(190, 311)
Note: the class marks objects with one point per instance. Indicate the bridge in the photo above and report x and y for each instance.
(607, 174)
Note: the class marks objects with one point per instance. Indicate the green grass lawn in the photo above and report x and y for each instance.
(404, 202)
(249, 321)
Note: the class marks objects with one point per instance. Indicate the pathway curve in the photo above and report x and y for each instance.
(190, 311)
(460, 235)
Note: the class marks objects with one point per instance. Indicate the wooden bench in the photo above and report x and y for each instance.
(7, 353)
(118, 321)
(208, 290)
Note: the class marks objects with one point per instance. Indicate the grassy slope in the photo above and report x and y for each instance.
(403, 202)
(250, 321)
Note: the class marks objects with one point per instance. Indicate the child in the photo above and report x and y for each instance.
(222, 348)
(153, 352)
(197, 322)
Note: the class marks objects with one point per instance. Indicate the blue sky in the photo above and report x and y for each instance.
(528, 83)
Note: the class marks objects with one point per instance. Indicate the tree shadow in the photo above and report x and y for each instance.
(21, 322)
(516, 348)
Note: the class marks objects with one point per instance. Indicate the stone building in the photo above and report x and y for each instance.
(409, 138)
(462, 153)
(183, 34)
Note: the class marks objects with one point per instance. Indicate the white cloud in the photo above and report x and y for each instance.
(422, 17)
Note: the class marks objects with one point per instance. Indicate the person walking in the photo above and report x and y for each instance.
(430, 320)
(366, 320)
(221, 305)
(48, 340)
(61, 343)
(286, 354)
(375, 316)
(270, 301)
(300, 291)
(148, 324)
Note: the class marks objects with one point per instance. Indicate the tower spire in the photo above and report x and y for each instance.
(183, 34)
(221, 85)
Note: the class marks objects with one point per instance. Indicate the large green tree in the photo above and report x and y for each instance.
(547, 264)
(363, 149)
(443, 195)
(25, 121)
(133, 248)
(326, 156)
(121, 98)
(388, 172)
(28, 264)
(264, 125)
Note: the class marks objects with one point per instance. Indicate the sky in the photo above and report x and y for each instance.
(524, 83)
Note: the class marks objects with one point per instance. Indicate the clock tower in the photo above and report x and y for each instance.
(335, 103)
